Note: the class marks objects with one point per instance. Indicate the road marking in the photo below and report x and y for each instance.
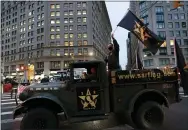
(2, 108)
(11, 120)
(6, 103)
(7, 113)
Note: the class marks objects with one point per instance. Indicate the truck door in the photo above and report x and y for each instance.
(90, 97)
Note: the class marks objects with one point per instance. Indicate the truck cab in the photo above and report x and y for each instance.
(129, 94)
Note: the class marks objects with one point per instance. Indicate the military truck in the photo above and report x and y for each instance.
(136, 96)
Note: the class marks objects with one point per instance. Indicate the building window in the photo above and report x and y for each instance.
(177, 33)
(65, 28)
(184, 33)
(185, 42)
(169, 16)
(84, 27)
(79, 51)
(164, 61)
(176, 16)
(185, 51)
(57, 28)
(65, 20)
(52, 13)
(57, 20)
(66, 52)
(170, 25)
(79, 35)
(78, 4)
(183, 24)
(71, 35)
(71, 43)
(57, 13)
(148, 62)
(66, 43)
(57, 36)
(52, 52)
(160, 25)
(172, 51)
(70, 12)
(178, 41)
(162, 34)
(71, 20)
(84, 12)
(171, 33)
(52, 21)
(84, 35)
(177, 25)
(79, 27)
(85, 42)
(79, 20)
(84, 4)
(84, 20)
(52, 6)
(160, 17)
(159, 9)
(65, 13)
(182, 16)
(58, 52)
(79, 42)
(85, 51)
(171, 42)
(66, 35)
(52, 36)
(57, 6)
(79, 12)
(70, 27)
(55, 64)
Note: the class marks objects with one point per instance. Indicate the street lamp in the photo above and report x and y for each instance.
(91, 53)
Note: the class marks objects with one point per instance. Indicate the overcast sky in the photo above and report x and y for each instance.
(116, 11)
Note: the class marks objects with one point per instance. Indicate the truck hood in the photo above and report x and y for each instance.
(47, 85)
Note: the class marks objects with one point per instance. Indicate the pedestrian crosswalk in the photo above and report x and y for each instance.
(7, 107)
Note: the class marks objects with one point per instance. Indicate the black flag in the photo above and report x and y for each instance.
(132, 23)
(182, 67)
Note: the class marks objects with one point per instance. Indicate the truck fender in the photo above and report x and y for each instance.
(22, 108)
(139, 94)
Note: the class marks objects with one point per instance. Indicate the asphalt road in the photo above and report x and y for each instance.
(176, 118)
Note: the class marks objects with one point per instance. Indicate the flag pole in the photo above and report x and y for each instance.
(136, 59)
(115, 30)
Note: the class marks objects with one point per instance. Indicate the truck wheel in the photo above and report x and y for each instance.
(39, 119)
(150, 115)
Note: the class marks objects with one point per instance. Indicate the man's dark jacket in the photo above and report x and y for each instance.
(113, 57)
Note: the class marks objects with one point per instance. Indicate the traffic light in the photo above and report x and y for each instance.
(177, 3)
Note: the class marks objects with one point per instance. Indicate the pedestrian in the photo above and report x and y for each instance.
(113, 57)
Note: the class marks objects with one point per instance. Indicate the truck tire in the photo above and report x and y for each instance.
(39, 118)
(150, 115)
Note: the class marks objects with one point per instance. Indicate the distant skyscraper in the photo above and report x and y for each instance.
(168, 24)
(132, 42)
(51, 34)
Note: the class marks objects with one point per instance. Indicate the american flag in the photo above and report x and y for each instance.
(21, 88)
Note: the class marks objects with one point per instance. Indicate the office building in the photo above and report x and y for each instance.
(168, 23)
(52, 34)
(132, 41)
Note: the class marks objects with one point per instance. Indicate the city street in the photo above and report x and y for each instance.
(177, 117)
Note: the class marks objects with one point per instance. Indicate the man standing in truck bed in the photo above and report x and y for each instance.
(113, 56)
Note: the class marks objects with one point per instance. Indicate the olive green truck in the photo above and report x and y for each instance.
(134, 96)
